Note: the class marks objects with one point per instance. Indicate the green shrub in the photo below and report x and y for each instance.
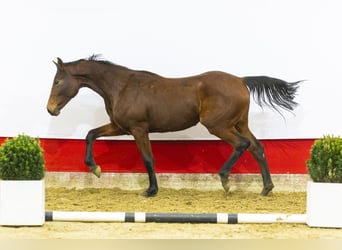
(21, 158)
(325, 163)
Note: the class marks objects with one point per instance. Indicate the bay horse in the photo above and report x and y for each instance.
(141, 102)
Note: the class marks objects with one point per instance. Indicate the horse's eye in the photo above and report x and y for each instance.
(57, 82)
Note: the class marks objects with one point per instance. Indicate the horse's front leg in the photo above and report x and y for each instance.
(106, 130)
(144, 145)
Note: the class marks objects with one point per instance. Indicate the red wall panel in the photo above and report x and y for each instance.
(207, 156)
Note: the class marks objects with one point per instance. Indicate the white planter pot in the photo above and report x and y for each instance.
(22, 203)
(324, 204)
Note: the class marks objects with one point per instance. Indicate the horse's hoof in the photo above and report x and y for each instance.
(96, 171)
(226, 187)
(267, 189)
(225, 182)
(150, 193)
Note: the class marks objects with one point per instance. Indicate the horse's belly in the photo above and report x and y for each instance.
(169, 122)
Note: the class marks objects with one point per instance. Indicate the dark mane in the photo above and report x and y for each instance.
(97, 58)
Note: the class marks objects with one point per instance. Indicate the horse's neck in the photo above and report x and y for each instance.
(104, 81)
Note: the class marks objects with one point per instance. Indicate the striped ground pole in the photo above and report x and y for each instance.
(142, 217)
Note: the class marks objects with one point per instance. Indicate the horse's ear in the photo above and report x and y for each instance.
(59, 64)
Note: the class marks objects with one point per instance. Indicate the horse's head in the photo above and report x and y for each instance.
(65, 86)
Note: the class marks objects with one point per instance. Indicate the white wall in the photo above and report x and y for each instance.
(291, 40)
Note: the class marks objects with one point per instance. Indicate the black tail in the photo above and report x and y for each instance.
(272, 92)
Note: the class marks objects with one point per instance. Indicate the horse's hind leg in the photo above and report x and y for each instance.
(258, 153)
(239, 143)
(257, 150)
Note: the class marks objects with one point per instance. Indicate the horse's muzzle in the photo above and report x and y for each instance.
(54, 112)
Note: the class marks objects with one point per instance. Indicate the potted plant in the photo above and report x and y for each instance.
(22, 187)
(324, 192)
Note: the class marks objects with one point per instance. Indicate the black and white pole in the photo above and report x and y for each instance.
(142, 217)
